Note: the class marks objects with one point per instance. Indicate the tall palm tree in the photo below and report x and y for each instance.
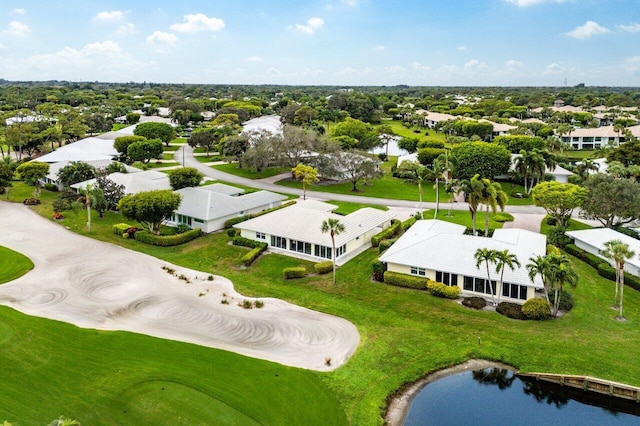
(521, 166)
(438, 168)
(619, 252)
(486, 256)
(537, 168)
(333, 227)
(492, 197)
(539, 265)
(474, 190)
(422, 173)
(504, 259)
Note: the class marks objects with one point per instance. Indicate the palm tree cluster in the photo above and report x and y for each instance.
(618, 252)
(500, 259)
(555, 271)
(533, 165)
(483, 191)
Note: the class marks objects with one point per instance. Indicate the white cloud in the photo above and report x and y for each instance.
(462, 48)
(255, 59)
(554, 69)
(126, 29)
(313, 24)
(18, 11)
(378, 48)
(633, 28)
(474, 64)
(198, 22)
(525, 3)
(110, 16)
(163, 38)
(17, 29)
(589, 29)
(512, 63)
(350, 3)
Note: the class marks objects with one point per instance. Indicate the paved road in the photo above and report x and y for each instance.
(190, 161)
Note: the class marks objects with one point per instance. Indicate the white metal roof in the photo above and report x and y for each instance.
(203, 203)
(149, 180)
(597, 237)
(442, 246)
(87, 149)
(299, 222)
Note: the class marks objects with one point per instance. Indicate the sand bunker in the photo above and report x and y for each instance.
(97, 285)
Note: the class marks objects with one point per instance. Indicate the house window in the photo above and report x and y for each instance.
(479, 285)
(198, 220)
(587, 139)
(418, 271)
(323, 251)
(278, 242)
(447, 278)
(514, 291)
(341, 250)
(300, 246)
(261, 236)
(184, 219)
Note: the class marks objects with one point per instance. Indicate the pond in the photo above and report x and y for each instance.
(496, 396)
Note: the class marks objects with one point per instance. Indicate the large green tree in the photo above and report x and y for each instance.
(75, 172)
(610, 200)
(145, 150)
(559, 199)
(149, 208)
(307, 174)
(184, 177)
(33, 171)
(152, 130)
(486, 159)
(121, 144)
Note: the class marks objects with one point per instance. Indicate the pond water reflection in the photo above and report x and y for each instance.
(496, 396)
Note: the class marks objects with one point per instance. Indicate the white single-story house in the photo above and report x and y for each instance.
(134, 182)
(297, 229)
(440, 251)
(593, 240)
(54, 168)
(209, 207)
(88, 149)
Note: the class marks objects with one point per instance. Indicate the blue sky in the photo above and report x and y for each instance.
(342, 42)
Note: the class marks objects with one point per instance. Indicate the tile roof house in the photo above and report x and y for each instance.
(440, 251)
(593, 241)
(296, 230)
(209, 207)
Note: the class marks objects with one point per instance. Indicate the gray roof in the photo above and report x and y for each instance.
(597, 237)
(88, 149)
(221, 188)
(205, 204)
(442, 246)
(303, 220)
(149, 180)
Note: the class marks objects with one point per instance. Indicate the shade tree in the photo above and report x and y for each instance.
(184, 177)
(150, 208)
(153, 130)
(611, 201)
(145, 150)
(559, 199)
(33, 171)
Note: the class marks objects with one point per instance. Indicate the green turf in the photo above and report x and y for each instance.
(404, 335)
(345, 207)
(13, 265)
(232, 168)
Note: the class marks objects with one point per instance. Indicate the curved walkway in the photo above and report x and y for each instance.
(267, 184)
(93, 284)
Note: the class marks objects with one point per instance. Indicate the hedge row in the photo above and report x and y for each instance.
(167, 240)
(391, 231)
(120, 228)
(294, 272)
(251, 255)
(407, 223)
(385, 244)
(323, 267)
(404, 280)
(442, 290)
(602, 266)
(246, 242)
(235, 220)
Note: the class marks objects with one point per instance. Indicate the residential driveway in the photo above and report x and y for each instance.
(530, 222)
(97, 285)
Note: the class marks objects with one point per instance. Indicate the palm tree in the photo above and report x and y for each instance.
(438, 168)
(618, 251)
(422, 173)
(539, 265)
(333, 227)
(474, 190)
(504, 259)
(492, 197)
(586, 166)
(560, 273)
(486, 256)
(521, 166)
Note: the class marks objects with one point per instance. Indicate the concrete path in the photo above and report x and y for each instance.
(530, 222)
(97, 285)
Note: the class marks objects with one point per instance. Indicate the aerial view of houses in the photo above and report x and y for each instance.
(347, 213)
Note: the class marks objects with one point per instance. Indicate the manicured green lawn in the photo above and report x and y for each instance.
(401, 130)
(170, 148)
(404, 335)
(232, 168)
(13, 265)
(345, 207)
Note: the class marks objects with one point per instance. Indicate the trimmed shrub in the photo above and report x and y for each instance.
(474, 302)
(323, 267)
(404, 280)
(167, 240)
(182, 228)
(246, 242)
(566, 300)
(385, 244)
(248, 258)
(511, 310)
(407, 223)
(120, 228)
(430, 144)
(379, 268)
(607, 271)
(503, 217)
(442, 290)
(294, 272)
(392, 230)
(232, 232)
(536, 309)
